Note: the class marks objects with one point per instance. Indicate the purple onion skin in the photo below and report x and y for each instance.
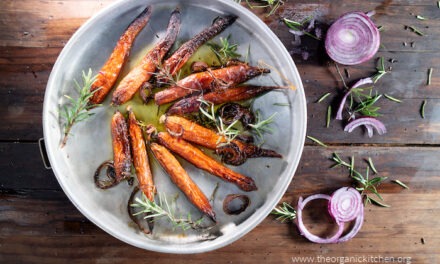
(364, 44)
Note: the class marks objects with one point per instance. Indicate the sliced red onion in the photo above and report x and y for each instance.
(296, 32)
(344, 99)
(345, 204)
(352, 39)
(369, 130)
(305, 232)
(368, 122)
(355, 229)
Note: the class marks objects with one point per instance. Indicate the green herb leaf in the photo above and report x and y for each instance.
(371, 164)
(329, 115)
(163, 209)
(300, 26)
(428, 82)
(422, 109)
(415, 30)
(317, 141)
(323, 97)
(401, 184)
(389, 97)
(77, 110)
(224, 51)
(284, 212)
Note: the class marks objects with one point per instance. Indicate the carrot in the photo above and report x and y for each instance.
(121, 147)
(204, 162)
(142, 73)
(202, 81)
(174, 63)
(192, 104)
(182, 180)
(208, 138)
(113, 66)
(140, 157)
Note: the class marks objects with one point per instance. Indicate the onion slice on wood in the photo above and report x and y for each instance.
(369, 123)
(344, 99)
(345, 205)
(352, 39)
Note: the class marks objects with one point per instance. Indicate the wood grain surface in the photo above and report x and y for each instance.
(38, 223)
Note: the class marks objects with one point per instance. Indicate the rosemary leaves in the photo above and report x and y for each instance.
(77, 110)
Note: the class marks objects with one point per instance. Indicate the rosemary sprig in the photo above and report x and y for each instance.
(381, 71)
(263, 126)
(228, 132)
(365, 184)
(285, 212)
(77, 110)
(163, 209)
(300, 26)
(272, 4)
(366, 106)
(224, 51)
(317, 141)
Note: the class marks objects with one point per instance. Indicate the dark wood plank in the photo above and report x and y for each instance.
(22, 168)
(46, 218)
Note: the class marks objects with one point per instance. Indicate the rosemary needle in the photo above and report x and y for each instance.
(323, 97)
(419, 17)
(422, 109)
(371, 164)
(416, 30)
(329, 115)
(428, 82)
(401, 184)
(317, 141)
(389, 97)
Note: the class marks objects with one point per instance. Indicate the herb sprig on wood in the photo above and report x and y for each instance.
(77, 110)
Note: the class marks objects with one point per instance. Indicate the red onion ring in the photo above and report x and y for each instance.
(305, 232)
(369, 123)
(352, 39)
(344, 99)
(344, 205)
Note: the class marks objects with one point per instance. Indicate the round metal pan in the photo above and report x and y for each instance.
(90, 143)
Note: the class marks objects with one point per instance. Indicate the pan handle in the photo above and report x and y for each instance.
(43, 154)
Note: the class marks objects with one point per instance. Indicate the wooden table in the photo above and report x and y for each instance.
(39, 224)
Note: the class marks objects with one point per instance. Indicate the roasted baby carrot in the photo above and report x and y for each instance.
(174, 63)
(204, 162)
(142, 73)
(113, 66)
(223, 78)
(140, 157)
(220, 96)
(208, 138)
(121, 147)
(182, 180)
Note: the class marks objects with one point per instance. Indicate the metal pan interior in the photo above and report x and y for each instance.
(90, 143)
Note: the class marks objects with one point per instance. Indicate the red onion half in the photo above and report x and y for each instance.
(345, 205)
(352, 39)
